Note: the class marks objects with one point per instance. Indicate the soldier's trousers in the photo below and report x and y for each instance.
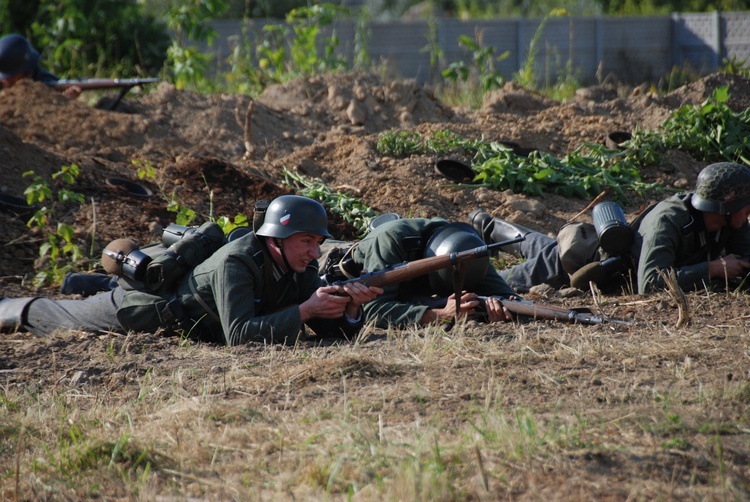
(542, 265)
(96, 313)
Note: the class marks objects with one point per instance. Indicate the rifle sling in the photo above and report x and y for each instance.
(459, 272)
(202, 303)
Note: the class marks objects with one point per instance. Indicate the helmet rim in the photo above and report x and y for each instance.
(25, 63)
(293, 214)
(722, 188)
(456, 237)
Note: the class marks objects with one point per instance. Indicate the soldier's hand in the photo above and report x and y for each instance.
(496, 312)
(467, 303)
(325, 303)
(72, 92)
(730, 267)
(360, 294)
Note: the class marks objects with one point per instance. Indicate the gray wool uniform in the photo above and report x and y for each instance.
(671, 235)
(253, 299)
(541, 264)
(400, 241)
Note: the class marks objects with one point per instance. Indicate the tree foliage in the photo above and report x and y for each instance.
(79, 38)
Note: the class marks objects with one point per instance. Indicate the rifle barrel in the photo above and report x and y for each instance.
(410, 270)
(541, 311)
(104, 83)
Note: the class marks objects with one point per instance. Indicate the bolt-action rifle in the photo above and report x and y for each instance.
(412, 269)
(124, 84)
(541, 311)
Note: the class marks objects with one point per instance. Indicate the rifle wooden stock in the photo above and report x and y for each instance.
(551, 312)
(104, 83)
(412, 269)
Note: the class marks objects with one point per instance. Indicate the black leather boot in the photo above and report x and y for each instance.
(606, 274)
(496, 230)
(12, 313)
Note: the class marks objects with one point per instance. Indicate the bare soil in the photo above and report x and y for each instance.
(218, 154)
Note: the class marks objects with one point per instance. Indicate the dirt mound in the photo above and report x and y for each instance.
(217, 154)
(359, 100)
(513, 98)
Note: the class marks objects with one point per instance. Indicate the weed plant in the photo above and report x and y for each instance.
(349, 208)
(710, 131)
(59, 252)
(583, 173)
(290, 50)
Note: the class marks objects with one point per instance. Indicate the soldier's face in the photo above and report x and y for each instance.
(715, 221)
(10, 81)
(300, 249)
(736, 220)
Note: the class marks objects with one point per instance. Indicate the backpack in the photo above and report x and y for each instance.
(160, 267)
(151, 303)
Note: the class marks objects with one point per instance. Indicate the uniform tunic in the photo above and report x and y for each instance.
(397, 242)
(673, 235)
(254, 300)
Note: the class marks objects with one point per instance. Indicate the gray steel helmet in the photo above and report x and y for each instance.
(451, 238)
(16, 56)
(292, 214)
(722, 188)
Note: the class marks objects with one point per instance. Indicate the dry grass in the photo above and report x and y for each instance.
(528, 411)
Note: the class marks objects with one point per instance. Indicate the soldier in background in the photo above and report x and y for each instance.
(19, 60)
(431, 298)
(704, 236)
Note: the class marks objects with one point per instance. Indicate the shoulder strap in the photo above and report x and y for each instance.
(211, 312)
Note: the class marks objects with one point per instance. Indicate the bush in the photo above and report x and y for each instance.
(84, 38)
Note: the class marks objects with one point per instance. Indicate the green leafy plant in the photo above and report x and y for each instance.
(677, 77)
(120, 40)
(59, 253)
(583, 173)
(349, 208)
(189, 22)
(483, 61)
(711, 130)
(288, 51)
(227, 224)
(183, 214)
(362, 34)
(433, 47)
(527, 76)
(405, 143)
(306, 23)
(735, 66)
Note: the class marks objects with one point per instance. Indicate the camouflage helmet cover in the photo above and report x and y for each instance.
(16, 56)
(452, 238)
(292, 214)
(722, 188)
